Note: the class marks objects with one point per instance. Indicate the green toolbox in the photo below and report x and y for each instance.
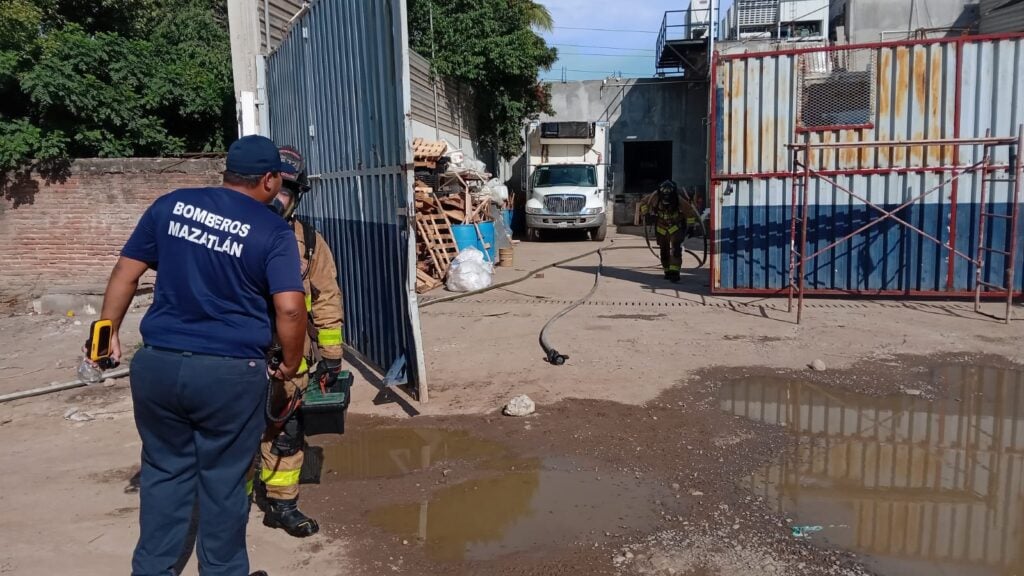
(323, 412)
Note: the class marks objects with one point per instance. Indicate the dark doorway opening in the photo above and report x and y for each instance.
(646, 164)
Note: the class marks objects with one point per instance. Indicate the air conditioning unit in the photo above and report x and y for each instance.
(567, 133)
(698, 18)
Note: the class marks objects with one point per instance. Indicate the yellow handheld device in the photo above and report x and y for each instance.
(98, 344)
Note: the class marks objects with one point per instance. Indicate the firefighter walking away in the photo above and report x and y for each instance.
(282, 448)
(671, 212)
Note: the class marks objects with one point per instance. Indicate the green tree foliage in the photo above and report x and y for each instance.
(539, 16)
(82, 78)
(490, 46)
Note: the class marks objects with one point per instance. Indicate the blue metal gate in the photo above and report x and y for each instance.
(338, 90)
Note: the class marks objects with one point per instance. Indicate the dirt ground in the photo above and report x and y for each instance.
(630, 465)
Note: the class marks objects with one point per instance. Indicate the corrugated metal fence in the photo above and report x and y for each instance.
(339, 91)
(443, 100)
(1001, 16)
(281, 12)
(899, 91)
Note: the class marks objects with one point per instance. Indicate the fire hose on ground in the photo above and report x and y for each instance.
(551, 354)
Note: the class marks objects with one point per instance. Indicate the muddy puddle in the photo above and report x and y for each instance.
(394, 452)
(496, 502)
(912, 486)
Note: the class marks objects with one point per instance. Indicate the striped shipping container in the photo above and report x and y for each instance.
(952, 88)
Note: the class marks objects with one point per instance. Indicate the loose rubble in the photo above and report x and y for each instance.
(519, 406)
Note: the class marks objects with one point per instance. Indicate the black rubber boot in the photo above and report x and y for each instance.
(285, 514)
(674, 276)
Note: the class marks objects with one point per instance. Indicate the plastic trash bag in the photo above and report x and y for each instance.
(469, 271)
(498, 191)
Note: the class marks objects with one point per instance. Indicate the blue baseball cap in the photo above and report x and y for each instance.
(252, 155)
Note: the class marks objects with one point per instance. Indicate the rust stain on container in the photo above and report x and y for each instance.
(884, 88)
(935, 153)
(751, 114)
(826, 153)
(884, 96)
(919, 109)
(916, 152)
(865, 153)
(902, 87)
(736, 135)
(901, 90)
(848, 156)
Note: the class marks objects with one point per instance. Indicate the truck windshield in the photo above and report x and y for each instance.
(567, 175)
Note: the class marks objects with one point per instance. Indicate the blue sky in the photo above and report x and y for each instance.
(588, 50)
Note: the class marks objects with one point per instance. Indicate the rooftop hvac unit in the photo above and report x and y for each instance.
(698, 18)
(757, 12)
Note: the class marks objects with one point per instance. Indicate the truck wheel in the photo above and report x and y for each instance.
(598, 234)
(532, 235)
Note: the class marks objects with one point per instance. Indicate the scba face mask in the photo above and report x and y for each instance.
(277, 207)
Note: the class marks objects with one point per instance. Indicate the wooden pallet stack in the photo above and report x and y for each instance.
(437, 210)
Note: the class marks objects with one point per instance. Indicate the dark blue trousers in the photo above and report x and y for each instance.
(200, 419)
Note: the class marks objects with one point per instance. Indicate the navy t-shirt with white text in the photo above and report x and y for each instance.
(220, 256)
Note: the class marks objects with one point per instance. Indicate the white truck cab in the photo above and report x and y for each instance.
(566, 178)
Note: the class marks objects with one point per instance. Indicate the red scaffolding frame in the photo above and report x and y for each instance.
(957, 43)
(803, 172)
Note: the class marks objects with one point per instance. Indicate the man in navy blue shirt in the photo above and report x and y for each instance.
(227, 267)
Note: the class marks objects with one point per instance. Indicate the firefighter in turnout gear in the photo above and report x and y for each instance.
(671, 212)
(281, 451)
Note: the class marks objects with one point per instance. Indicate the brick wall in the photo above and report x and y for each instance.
(64, 236)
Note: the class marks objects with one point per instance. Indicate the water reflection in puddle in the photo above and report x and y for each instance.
(512, 504)
(920, 487)
(391, 452)
(549, 503)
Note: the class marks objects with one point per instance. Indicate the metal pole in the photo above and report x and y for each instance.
(928, 142)
(979, 266)
(712, 30)
(792, 234)
(1014, 213)
(803, 232)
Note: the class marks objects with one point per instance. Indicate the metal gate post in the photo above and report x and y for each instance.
(979, 265)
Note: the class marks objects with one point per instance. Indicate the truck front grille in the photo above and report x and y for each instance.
(565, 204)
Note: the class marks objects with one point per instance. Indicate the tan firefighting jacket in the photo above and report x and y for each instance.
(323, 297)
